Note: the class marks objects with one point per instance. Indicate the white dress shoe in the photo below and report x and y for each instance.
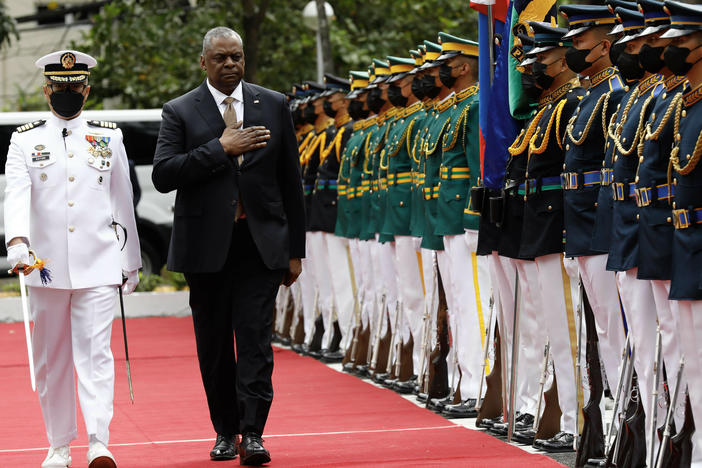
(99, 456)
(58, 457)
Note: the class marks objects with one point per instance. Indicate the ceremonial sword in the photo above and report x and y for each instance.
(27, 333)
(124, 318)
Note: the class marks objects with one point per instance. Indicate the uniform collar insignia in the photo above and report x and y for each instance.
(602, 76)
(673, 82)
(649, 83)
(693, 96)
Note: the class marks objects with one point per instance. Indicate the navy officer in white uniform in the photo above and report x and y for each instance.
(68, 189)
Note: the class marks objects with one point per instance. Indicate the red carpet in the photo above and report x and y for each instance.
(320, 417)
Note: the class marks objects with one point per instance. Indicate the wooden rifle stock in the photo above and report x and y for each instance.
(592, 438)
(438, 386)
(550, 422)
(491, 406)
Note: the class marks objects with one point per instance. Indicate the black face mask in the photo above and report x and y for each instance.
(328, 109)
(629, 66)
(543, 79)
(531, 89)
(375, 100)
(676, 59)
(650, 58)
(615, 51)
(297, 116)
(356, 110)
(429, 86)
(575, 58)
(395, 96)
(417, 88)
(309, 114)
(445, 76)
(66, 103)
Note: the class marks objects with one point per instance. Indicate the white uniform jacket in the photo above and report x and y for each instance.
(64, 189)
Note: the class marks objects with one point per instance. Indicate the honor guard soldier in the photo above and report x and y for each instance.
(323, 330)
(466, 281)
(396, 221)
(324, 214)
(542, 229)
(654, 193)
(683, 57)
(69, 198)
(354, 158)
(583, 175)
(620, 217)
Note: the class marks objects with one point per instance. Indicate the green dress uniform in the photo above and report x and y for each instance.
(417, 162)
(348, 211)
(391, 116)
(460, 164)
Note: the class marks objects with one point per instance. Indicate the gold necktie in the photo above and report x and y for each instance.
(229, 112)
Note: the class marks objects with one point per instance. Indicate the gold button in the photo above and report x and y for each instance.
(684, 113)
(624, 140)
(70, 203)
(550, 207)
(640, 159)
(618, 106)
(458, 196)
(595, 204)
(567, 147)
(675, 181)
(71, 179)
(41, 164)
(525, 198)
(687, 156)
(402, 203)
(564, 167)
(564, 231)
(664, 95)
(615, 158)
(70, 155)
(636, 179)
(580, 133)
(550, 106)
(587, 93)
(669, 219)
(653, 116)
(637, 216)
(43, 177)
(71, 229)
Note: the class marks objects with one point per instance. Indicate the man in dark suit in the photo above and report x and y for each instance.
(238, 232)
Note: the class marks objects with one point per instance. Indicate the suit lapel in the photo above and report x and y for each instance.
(207, 108)
(253, 115)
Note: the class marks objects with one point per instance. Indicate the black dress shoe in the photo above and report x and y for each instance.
(297, 348)
(251, 450)
(405, 387)
(380, 377)
(421, 397)
(332, 356)
(560, 443)
(224, 448)
(487, 423)
(438, 404)
(526, 436)
(361, 371)
(465, 409)
(596, 463)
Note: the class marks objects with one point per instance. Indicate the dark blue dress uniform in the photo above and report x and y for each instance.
(625, 138)
(686, 281)
(542, 232)
(653, 191)
(585, 141)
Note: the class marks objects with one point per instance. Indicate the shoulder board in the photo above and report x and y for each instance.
(102, 123)
(466, 93)
(358, 126)
(446, 104)
(30, 125)
(615, 83)
(413, 108)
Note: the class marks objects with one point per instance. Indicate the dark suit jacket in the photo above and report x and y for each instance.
(190, 159)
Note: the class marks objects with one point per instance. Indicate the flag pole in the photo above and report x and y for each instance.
(491, 35)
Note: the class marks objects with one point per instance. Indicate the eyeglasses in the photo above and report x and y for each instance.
(62, 87)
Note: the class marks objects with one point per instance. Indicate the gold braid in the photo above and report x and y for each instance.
(519, 146)
(590, 121)
(544, 141)
(664, 121)
(696, 154)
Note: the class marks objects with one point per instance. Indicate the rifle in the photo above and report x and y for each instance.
(381, 346)
(550, 422)
(542, 383)
(514, 361)
(350, 357)
(654, 397)
(626, 411)
(681, 443)
(486, 347)
(437, 383)
(592, 439)
(491, 406)
(623, 373)
(578, 365)
(660, 462)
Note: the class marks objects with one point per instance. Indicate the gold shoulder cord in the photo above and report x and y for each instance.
(559, 112)
(456, 131)
(674, 154)
(653, 135)
(407, 135)
(533, 149)
(367, 158)
(519, 146)
(569, 129)
(616, 135)
(428, 150)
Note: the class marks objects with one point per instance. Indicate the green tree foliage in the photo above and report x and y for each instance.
(7, 27)
(148, 51)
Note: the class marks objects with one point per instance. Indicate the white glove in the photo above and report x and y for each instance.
(18, 254)
(131, 282)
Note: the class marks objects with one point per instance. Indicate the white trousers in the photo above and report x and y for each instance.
(308, 291)
(444, 263)
(601, 288)
(322, 277)
(431, 303)
(640, 311)
(689, 315)
(410, 289)
(72, 330)
(370, 291)
(532, 333)
(559, 296)
(338, 258)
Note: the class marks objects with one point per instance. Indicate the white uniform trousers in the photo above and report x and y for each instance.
(410, 289)
(308, 291)
(369, 289)
(671, 350)
(470, 288)
(601, 288)
(640, 311)
(532, 333)
(72, 330)
(444, 264)
(338, 258)
(559, 297)
(690, 332)
(322, 276)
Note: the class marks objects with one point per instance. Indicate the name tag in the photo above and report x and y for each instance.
(43, 156)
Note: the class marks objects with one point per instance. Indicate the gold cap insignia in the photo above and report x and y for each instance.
(68, 60)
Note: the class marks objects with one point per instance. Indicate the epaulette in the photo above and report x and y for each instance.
(446, 104)
(466, 93)
(102, 123)
(615, 83)
(30, 125)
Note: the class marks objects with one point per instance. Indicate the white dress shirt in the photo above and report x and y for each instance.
(219, 98)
